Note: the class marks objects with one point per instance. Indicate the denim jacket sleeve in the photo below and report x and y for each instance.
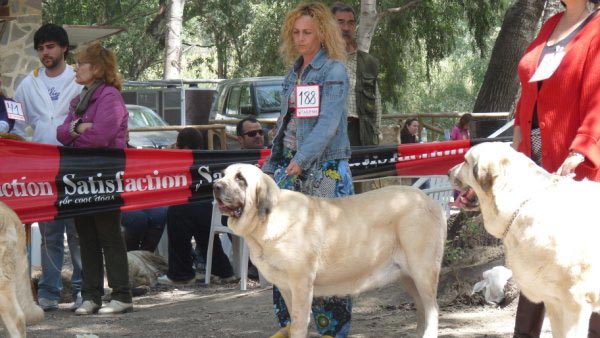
(334, 93)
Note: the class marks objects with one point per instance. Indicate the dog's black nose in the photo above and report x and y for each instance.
(217, 186)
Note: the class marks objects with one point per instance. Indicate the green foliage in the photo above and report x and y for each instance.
(452, 254)
(137, 49)
(422, 53)
(465, 232)
(451, 84)
(432, 55)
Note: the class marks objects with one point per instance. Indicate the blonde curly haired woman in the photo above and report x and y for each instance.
(311, 149)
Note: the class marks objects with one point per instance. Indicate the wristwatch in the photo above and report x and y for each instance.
(73, 127)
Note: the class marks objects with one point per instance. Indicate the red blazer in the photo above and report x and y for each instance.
(568, 104)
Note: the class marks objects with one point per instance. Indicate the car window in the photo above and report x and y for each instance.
(218, 100)
(233, 101)
(269, 97)
(142, 118)
(246, 101)
(153, 119)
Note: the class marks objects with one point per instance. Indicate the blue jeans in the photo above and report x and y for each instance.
(52, 255)
(137, 222)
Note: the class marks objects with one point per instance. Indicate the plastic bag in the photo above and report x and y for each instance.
(493, 284)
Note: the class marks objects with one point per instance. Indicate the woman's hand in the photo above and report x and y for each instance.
(570, 163)
(84, 126)
(293, 169)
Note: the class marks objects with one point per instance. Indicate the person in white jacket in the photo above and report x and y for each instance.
(45, 95)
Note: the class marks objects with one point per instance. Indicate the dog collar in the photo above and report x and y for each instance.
(514, 216)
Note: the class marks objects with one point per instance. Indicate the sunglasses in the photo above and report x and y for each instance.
(253, 133)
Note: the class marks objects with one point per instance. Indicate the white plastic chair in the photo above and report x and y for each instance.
(440, 190)
(162, 249)
(240, 251)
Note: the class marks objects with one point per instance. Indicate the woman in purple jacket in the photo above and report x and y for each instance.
(98, 119)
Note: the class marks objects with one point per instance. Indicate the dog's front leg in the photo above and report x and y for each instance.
(574, 320)
(12, 315)
(302, 295)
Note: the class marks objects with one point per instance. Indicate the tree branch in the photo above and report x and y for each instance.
(406, 6)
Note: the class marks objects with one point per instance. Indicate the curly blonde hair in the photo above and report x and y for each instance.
(104, 61)
(327, 27)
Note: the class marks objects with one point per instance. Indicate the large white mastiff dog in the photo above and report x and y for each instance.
(16, 301)
(312, 247)
(550, 227)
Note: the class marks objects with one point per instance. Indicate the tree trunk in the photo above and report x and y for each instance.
(173, 39)
(369, 18)
(501, 83)
(368, 22)
(552, 7)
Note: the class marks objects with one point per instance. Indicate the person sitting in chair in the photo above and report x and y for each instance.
(189, 220)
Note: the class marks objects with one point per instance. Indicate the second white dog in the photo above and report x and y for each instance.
(549, 226)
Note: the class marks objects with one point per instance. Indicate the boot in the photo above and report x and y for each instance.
(151, 238)
(529, 319)
(594, 330)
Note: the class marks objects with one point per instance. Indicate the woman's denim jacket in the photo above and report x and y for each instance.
(321, 138)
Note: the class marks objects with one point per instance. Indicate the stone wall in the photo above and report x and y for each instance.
(17, 55)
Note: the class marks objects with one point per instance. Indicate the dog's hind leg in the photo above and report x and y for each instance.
(10, 311)
(409, 286)
(427, 288)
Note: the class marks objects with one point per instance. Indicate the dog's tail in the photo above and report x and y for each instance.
(22, 282)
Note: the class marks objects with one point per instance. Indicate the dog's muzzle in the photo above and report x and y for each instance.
(225, 207)
(467, 199)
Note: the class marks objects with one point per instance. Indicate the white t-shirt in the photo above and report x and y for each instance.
(54, 85)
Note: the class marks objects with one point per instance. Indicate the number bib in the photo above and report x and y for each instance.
(548, 66)
(14, 110)
(307, 101)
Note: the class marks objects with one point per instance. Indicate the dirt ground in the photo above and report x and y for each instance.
(225, 311)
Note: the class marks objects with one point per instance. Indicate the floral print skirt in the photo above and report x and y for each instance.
(329, 179)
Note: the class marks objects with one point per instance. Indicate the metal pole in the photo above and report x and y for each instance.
(182, 104)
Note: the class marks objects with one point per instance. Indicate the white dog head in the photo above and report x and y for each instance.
(494, 174)
(246, 195)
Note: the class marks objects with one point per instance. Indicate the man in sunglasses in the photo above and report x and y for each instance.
(250, 134)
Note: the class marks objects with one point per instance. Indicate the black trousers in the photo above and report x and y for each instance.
(101, 242)
(354, 131)
(184, 222)
(530, 317)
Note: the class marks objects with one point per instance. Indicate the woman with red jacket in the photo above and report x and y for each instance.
(98, 119)
(557, 120)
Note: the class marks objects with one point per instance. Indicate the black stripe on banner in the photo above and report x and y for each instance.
(89, 181)
(373, 161)
(208, 167)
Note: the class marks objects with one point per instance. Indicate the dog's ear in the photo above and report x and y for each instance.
(484, 175)
(266, 195)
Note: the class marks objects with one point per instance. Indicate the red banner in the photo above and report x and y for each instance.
(44, 182)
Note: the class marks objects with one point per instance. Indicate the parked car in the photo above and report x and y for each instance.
(144, 117)
(236, 99)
